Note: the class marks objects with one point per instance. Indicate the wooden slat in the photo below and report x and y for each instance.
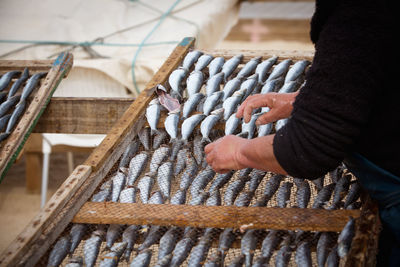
(18, 248)
(217, 216)
(77, 115)
(33, 65)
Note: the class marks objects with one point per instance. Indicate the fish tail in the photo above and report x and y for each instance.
(205, 140)
(243, 134)
(154, 132)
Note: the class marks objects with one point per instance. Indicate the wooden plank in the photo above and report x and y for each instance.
(135, 113)
(217, 216)
(79, 115)
(18, 248)
(13, 144)
(33, 65)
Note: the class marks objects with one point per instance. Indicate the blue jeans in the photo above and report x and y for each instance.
(383, 187)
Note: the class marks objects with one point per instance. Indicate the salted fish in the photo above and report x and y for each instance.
(216, 65)
(249, 67)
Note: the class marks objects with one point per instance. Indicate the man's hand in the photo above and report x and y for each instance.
(281, 106)
(223, 155)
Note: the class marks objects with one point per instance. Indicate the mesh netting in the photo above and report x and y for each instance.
(167, 166)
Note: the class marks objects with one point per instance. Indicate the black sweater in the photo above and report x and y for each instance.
(351, 99)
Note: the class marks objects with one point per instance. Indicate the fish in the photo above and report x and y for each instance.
(230, 65)
(269, 244)
(167, 242)
(244, 174)
(289, 87)
(259, 262)
(18, 111)
(249, 67)
(76, 235)
(248, 128)
(6, 79)
(238, 261)
(31, 84)
(216, 65)
(171, 125)
(153, 112)
(181, 251)
(14, 88)
(75, 262)
(156, 198)
(199, 199)
(280, 70)
(226, 239)
(198, 149)
(113, 233)
(341, 188)
(272, 185)
(136, 166)
(231, 103)
(333, 258)
(249, 245)
(354, 206)
(131, 150)
(249, 85)
(4, 121)
(296, 70)
(164, 262)
(189, 124)
(283, 256)
(59, 251)
(220, 181)
(164, 178)
(214, 199)
(203, 62)
(118, 180)
(323, 196)
(154, 235)
(91, 248)
(283, 195)
(111, 259)
(232, 124)
(280, 123)
(353, 195)
(176, 146)
(142, 259)
(179, 197)
(214, 260)
(191, 58)
(324, 242)
(256, 177)
(211, 102)
(104, 193)
(208, 124)
(271, 86)
(191, 104)
(129, 236)
(194, 82)
(230, 87)
(265, 129)
(232, 191)
(159, 155)
(264, 67)
(144, 185)
(214, 83)
(244, 199)
(128, 195)
(303, 255)
(345, 238)
(144, 137)
(181, 160)
(6, 105)
(337, 173)
(199, 252)
(319, 183)
(159, 138)
(175, 80)
(303, 195)
(188, 175)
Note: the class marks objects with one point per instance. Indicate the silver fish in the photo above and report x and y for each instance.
(220, 181)
(232, 191)
(104, 193)
(333, 258)
(214, 260)
(175, 80)
(144, 185)
(230, 65)
(271, 86)
(181, 161)
(159, 155)
(345, 238)
(249, 67)
(283, 195)
(280, 123)
(269, 244)
(213, 83)
(159, 138)
(179, 198)
(280, 70)
(194, 82)
(198, 149)
(189, 124)
(153, 112)
(264, 67)
(303, 255)
(260, 262)
(231, 86)
(323, 196)
(265, 129)
(113, 233)
(128, 195)
(249, 245)
(129, 236)
(353, 195)
(164, 262)
(156, 198)
(119, 180)
(249, 128)
(6, 105)
(199, 199)
(6, 79)
(323, 245)
(203, 62)
(91, 248)
(214, 199)
(136, 166)
(226, 239)
(199, 253)
(231, 103)
(249, 85)
(289, 87)
(75, 262)
(211, 102)
(154, 235)
(337, 173)
(176, 146)
(167, 242)
(303, 195)
(272, 185)
(4, 121)
(319, 183)
(191, 58)
(296, 70)
(144, 137)
(283, 256)
(59, 251)
(181, 251)
(142, 259)
(341, 188)
(238, 261)
(31, 84)
(131, 150)
(111, 258)
(256, 177)
(171, 125)
(188, 175)
(14, 88)
(191, 104)
(18, 111)
(208, 124)
(164, 178)
(76, 235)
(216, 65)
(232, 124)
(243, 199)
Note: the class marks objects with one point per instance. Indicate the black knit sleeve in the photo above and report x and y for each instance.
(335, 102)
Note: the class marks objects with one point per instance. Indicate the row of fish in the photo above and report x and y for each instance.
(13, 105)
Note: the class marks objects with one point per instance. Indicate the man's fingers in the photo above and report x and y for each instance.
(208, 148)
(268, 117)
